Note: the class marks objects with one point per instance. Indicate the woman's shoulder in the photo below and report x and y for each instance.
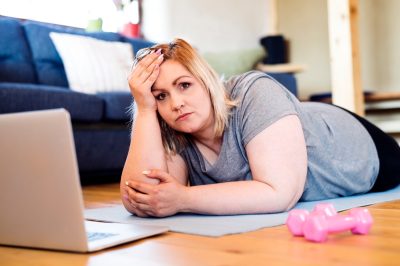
(243, 78)
(253, 81)
(240, 83)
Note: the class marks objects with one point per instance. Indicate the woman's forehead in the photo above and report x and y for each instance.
(173, 64)
(170, 70)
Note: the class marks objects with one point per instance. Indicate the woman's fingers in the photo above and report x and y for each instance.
(140, 186)
(155, 60)
(139, 204)
(159, 174)
(146, 66)
(142, 79)
(136, 197)
(144, 208)
(140, 213)
(146, 72)
(139, 199)
(152, 77)
(148, 59)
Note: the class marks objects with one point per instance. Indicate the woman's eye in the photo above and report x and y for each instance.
(160, 97)
(185, 85)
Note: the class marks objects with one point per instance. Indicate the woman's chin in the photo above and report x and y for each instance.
(185, 129)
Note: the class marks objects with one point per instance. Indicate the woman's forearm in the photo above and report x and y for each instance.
(145, 152)
(242, 197)
(146, 149)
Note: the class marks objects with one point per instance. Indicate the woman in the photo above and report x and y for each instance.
(242, 146)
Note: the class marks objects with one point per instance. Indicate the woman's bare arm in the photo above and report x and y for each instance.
(146, 149)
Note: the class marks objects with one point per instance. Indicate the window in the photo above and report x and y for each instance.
(77, 13)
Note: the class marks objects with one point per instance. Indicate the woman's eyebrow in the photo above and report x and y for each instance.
(155, 89)
(176, 80)
(173, 83)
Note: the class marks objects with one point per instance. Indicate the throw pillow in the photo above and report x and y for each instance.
(93, 65)
(231, 63)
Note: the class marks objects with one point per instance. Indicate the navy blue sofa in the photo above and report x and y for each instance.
(32, 77)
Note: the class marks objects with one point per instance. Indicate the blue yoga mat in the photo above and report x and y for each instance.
(210, 225)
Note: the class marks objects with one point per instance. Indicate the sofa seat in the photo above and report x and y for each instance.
(106, 146)
(116, 105)
(20, 97)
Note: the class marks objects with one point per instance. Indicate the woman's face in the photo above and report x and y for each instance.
(182, 101)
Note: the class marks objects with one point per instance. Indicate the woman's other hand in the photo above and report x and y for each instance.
(164, 199)
(142, 78)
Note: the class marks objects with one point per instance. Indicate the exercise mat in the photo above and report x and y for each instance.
(213, 225)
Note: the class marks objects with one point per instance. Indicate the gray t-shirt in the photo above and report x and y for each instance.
(342, 158)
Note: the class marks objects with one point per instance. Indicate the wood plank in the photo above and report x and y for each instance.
(281, 68)
(369, 97)
(345, 55)
(272, 17)
(379, 96)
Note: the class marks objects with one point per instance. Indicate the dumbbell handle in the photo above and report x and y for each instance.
(340, 223)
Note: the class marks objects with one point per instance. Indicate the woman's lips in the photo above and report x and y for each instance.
(183, 116)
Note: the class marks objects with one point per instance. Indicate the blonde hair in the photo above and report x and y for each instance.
(182, 52)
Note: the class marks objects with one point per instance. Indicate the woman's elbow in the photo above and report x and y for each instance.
(292, 200)
(288, 198)
(127, 205)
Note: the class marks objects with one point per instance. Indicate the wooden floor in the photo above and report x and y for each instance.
(270, 246)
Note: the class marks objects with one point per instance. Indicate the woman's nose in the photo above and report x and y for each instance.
(177, 102)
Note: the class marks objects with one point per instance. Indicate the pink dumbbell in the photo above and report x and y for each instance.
(298, 217)
(318, 226)
(324, 220)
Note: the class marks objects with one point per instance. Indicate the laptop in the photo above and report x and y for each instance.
(41, 203)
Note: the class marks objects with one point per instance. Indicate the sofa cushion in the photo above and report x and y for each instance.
(117, 105)
(49, 66)
(15, 58)
(20, 97)
(235, 62)
(93, 65)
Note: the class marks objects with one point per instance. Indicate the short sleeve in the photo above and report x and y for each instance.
(262, 102)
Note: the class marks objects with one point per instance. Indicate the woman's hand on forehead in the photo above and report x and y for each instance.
(142, 78)
(149, 59)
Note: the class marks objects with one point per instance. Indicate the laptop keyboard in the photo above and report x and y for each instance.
(94, 236)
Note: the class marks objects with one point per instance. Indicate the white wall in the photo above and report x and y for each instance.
(209, 25)
(387, 43)
(304, 23)
(368, 44)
